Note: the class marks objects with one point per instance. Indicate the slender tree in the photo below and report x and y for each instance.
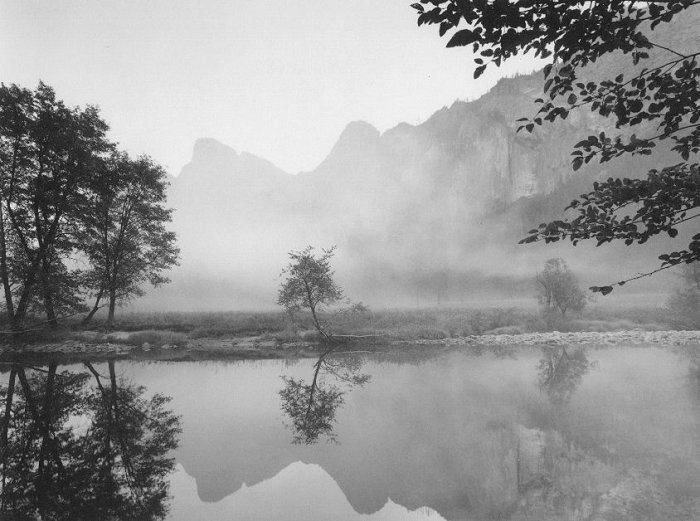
(309, 284)
(312, 407)
(124, 234)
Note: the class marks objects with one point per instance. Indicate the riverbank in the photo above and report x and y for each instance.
(261, 347)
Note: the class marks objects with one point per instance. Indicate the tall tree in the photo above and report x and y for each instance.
(124, 234)
(658, 93)
(47, 154)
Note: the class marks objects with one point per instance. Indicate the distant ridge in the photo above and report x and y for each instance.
(416, 211)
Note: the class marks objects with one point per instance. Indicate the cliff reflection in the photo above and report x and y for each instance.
(83, 445)
(312, 407)
(560, 373)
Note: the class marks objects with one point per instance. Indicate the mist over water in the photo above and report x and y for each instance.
(426, 215)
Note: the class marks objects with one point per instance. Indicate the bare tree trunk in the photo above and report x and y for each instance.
(312, 307)
(48, 301)
(317, 323)
(47, 292)
(314, 384)
(35, 268)
(112, 307)
(89, 316)
(5, 276)
(23, 304)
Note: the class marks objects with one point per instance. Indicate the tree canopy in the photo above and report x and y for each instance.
(72, 450)
(309, 284)
(655, 100)
(66, 193)
(558, 288)
(124, 236)
(312, 407)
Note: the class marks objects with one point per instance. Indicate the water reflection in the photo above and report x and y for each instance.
(312, 407)
(83, 445)
(691, 354)
(560, 372)
(471, 434)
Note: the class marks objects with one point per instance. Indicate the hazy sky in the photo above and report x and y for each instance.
(279, 79)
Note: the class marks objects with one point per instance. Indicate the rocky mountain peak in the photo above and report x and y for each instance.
(209, 149)
(358, 130)
(359, 142)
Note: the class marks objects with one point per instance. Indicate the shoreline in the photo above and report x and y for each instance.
(256, 348)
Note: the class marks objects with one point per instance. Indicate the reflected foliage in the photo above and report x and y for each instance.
(691, 354)
(558, 289)
(312, 407)
(560, 372)
(83, 446)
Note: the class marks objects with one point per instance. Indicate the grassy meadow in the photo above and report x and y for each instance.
(179, 328)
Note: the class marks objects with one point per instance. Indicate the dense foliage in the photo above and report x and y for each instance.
(67, 195)
(83, 446)
(658, 94)
(124, 236)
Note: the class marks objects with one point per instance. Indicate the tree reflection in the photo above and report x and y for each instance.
(691, 354)
(70, 450)
(560, 373)
(312, 407)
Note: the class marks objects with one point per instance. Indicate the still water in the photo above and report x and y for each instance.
(530, 433)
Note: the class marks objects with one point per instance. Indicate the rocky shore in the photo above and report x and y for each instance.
(629, 337)
(258, 347)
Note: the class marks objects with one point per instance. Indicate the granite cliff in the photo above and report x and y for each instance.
(419, 213)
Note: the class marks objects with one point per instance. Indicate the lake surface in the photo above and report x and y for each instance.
(531, 433)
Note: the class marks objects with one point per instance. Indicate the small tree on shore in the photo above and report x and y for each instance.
(309, 284)
(558, 288)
